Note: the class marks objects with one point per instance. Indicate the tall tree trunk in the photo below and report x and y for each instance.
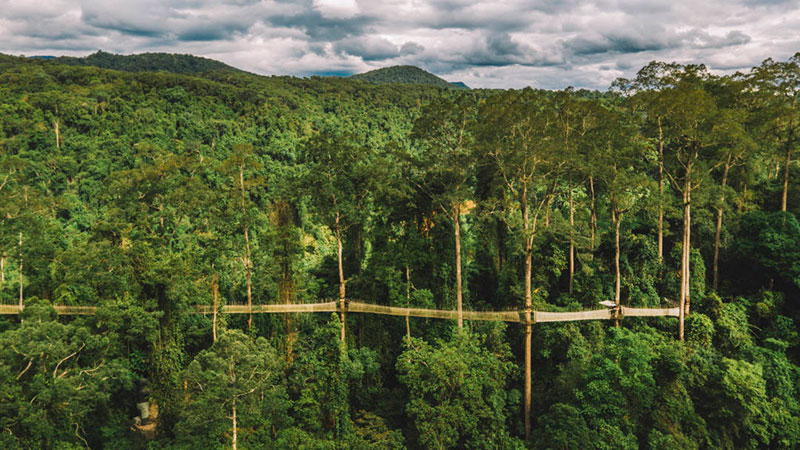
(58, 134)
(341, 276)
(547, 211)
(457, 230)
(286, 282)
(571, 239)
(660, 192)
(688, 241)
(20, 271)
(741, 207)
(247, 261)
(215, 287)
(233, 419)
(161, 216)
(617, 218)
(2, 272)
(529, 232)
(684, 261)
(593, 227)
(408, 302)
(528, 384)
(719, 224)
(786, 179)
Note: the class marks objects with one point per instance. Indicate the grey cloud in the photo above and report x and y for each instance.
(704, 40)
(212, 32)
(176, 20)
(499, 49)
(146, 22)
(653, 41)
(370, 49)
(501, 44)
(318, 27)
(616, 43)
(411, 48)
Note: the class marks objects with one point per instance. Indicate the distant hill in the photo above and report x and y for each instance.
(147, 62)
(406, 75)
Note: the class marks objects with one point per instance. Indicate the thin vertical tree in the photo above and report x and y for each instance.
(340, 186)
(518, 134)
(644, 93)
(777, 105)
(445, 164)
(241, 162)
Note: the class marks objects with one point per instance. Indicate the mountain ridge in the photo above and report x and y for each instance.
(184, 64)
(406, 75)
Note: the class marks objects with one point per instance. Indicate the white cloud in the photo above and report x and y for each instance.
(336, 9)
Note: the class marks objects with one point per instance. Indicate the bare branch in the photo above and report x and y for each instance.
(30, 361)
(66, 358)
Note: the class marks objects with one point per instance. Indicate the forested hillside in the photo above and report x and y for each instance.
(406, 75)
(145, 194)
(147, 62)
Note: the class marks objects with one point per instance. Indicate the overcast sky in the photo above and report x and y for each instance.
(541, 43)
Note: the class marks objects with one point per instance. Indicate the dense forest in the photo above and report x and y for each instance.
(145, 193)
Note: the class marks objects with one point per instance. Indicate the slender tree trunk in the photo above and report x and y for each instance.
(719, 224)
(786, 179)
(341, 275)
(215, 287)
(161, 217)
(617, 218)
(660, 192)
(286, 283)
(741, 207)
(457, 230)
(547, 212)
(359, 248)
(593, 227)
(528, 384)
(2, 272)
(233, 419)
(684, 260)
(529, 231)
(571, 239)
(716, 249)
(247, 261)
(58, 135)
(408, 302)
(688, 240)
(20, 271)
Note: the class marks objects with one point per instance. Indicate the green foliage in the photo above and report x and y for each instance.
(132, 191)
(457, 392)
(769, 244)
(58, 381)
(236, 373)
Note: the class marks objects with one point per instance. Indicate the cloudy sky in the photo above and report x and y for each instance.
(511, 44)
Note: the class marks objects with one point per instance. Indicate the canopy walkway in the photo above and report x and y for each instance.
(368, 308)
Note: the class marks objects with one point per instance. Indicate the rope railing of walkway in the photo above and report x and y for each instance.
(368, 308)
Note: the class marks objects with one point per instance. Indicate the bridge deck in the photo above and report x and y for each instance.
(367, 308)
